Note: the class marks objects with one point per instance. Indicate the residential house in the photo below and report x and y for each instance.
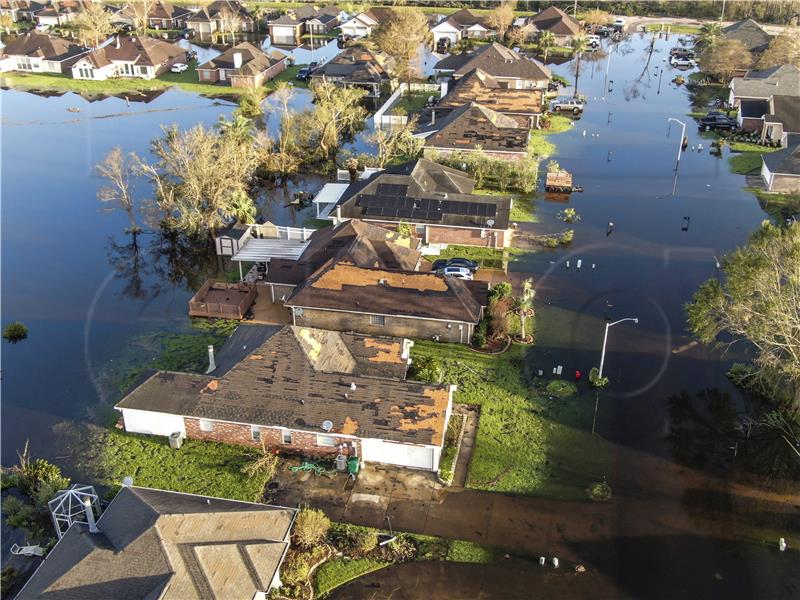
(164, 15)
(60, 13)
(523, 105)
(354, 67)
(781, 169)
(244, 65)
(435, 201)
(36, 52)
(768, 101)
(563, 27)
(364, 23)
(228, 16)
(459, 25)
(472, 127)
(286, 30)
(151, 543)
(21, 10)
(319, 21)
(752, 35)
(507, 68)
(139, 57)
(306, 391)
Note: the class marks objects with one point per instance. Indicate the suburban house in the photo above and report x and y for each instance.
(563, 27)
(781, 169)
(435, 201)
(151, 543)
(228, 16)
(244, 65)
(164, 15)
(752, 35)
(59, 13)
(354, 67)
(462, 24)
(471, 127)
(363, 23)
(504, 65)
(40, 53)
(523, 105)
(319, 21)
(305, 391)
(768, 101)
(21, 10)
(136, 56)
(286, 30)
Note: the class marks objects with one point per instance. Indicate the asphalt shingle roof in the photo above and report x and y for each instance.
(496, 61)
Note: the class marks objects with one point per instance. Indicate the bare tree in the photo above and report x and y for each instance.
(140, 11)
(94, 24)
(401, 37)
(595, 18)
(501, 18)
(396, 142)
(784, 49)
(337, 112)
(117, 168)
(724, 58)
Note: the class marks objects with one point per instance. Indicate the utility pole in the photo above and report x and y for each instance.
(575, 9)
(680, 141)
(605, 339)
(722, 14)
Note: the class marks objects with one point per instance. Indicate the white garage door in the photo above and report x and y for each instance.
(404, 455)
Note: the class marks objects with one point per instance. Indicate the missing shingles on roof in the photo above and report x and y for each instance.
(341, 275)
(419, 416)
(255, 357)
(350, 426)
(315, 347)
(212, 386)
(386, 351)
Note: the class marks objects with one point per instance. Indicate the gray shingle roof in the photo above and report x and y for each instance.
(49, 47)
(474, 125)
(754, 37)
(785, 162)
(496, 61)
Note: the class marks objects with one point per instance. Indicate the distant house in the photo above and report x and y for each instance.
(354, 67)
(244, 65)
(228, 16)
(563, 27)
(305, 391)
(319, 21)
(472, 126)
(435, 201)
(505, 66)
(286, 30)
(36, 52)
(139, 57)
(768, 101)
(364, 23)
(151, 543)
(781, 169)
(164, 15)
(60, 13)
(523, 105)
(459, 25)
(21, 10)
(752, 35)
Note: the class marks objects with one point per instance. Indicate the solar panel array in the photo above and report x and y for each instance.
(390, 200)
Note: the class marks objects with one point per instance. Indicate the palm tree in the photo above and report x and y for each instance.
(524, 304)
(708, 36)
(546, 41)
(579, 46)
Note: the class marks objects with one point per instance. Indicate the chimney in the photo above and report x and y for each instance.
(338, 215)
(237, 60)
(211, 364)
(87, 508)
(433, 117)
(118, 44)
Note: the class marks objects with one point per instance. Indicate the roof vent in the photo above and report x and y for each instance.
(128, 481)
(327, 426)
(490, 222)
(383, 281)
(353, 387)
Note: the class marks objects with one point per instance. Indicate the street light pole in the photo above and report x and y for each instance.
(680, 141)
(605, 339)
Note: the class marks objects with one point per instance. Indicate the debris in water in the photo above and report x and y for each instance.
(73, 109)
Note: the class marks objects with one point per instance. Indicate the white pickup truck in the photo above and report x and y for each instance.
(572, 105)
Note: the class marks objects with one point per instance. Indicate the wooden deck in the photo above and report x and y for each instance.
(222, 300)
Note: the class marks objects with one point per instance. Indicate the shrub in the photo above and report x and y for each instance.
(15, 332)
(562, 389)
(600, 491)
(595, 379)
(404, 230)
(566, 237)
(8, 577)
(264, 465)
(402, 549)
(364, 541)
(428, 369)
(40, 475)
(479, 336)
(500, 290)
(310, 527)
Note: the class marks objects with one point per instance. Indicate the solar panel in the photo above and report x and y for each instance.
(392, 189)
(405, 213)
(434, 216)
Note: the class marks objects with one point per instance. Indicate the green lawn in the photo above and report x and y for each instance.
(526, 443)
(447, 462)
(339, 571)
(745, 162)
(488, 258)
(290, 76)
(409, 104)
(469, 552)
(675, 28)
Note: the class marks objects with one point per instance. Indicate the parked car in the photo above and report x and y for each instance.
(459, 272)
(593, 41)
(464, 263)
(682, 63)
(179, 68)
(619, 23)
(572, 105)
(604, 31)
(718, 121)
(42, 27)
(679, 52)
(303, 74)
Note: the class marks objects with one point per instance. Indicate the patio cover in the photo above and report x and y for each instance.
(262, 250)
(327, 198)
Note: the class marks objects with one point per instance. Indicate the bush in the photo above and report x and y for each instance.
(40, 475)
(562, 389)
(500, 290)
(15, 332)
(364, 541)
(402, 549)
(566, 237)
(595, 379)
(428, 369)
(600, 491)
(479, 336)
(310, 527)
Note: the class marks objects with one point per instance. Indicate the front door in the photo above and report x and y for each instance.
(222, 75)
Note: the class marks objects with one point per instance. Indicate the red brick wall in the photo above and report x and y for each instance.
(752, 124)
(303, 442)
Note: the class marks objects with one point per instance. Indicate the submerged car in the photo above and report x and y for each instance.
(682, 62)
(464, 263)
(179, 68)
(458, 272)
(718, 121)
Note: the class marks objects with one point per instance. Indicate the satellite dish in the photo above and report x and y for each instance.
(128, 481)
(490, 222)
(327, 425)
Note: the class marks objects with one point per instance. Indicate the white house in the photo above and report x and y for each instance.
(135, 57)
(459, 25)
(363, 23)
(781, 170)
(36, 52)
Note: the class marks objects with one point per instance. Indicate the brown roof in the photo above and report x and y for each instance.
(356, 64)
(354, 242)
(465, 18)
(474, 125)
(301, 377)
(754, 37)
(344, 287)
(496, 61)
(555, 20)
(42, 45)
(154, 544)
(165, 10)
(478, 86)
(140, 50)
(254, 59)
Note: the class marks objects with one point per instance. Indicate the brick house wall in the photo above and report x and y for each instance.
(752, 124)
(396, 326)
(303, 442)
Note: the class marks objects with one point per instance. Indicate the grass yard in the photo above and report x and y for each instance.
(675, 28)
(488, 258)
(470, 552)
(528, 442)
(336, 573)
(745, 162)
(289, 76)
(447, 462)
(409, 104)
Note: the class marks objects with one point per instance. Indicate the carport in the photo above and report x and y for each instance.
(262, 250)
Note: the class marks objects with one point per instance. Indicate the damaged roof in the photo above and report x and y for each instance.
(356, 64)
(478, 86)
(154, 544)
(474, 125)
(497, 61)
(301, 377)
(254, 60)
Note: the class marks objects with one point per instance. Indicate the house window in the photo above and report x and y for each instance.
(255, 433)
(206, 425)
(143, 70)
(377, 320)
(326, 440)
(286, 436)
(86, 73)
(24, 64)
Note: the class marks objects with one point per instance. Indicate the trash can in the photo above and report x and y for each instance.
(341, 463)
(175, 440)
(353, 464)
